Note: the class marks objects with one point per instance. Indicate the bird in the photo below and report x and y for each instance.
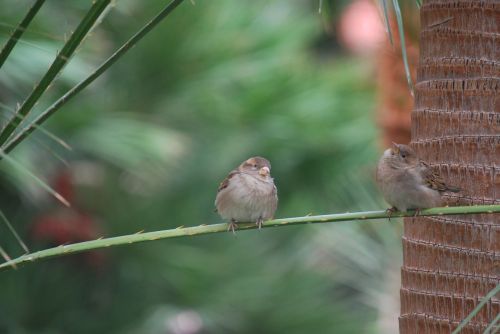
(408, 182)
(247, 194)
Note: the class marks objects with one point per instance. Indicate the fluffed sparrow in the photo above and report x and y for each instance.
(247, 194)
(408, 182)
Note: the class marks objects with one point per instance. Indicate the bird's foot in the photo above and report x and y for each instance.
(232, 226)
(259, 222)
(390, 211)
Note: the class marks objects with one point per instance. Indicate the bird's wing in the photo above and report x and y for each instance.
(275, 199)
(225, 183)
(433, 179)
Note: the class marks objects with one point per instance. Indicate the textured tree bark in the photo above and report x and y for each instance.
(449, 263)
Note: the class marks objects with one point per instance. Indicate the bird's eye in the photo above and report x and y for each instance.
(403, 156)
(254, 165)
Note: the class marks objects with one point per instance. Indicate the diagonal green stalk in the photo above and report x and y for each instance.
(51, 136)
(219, 228)
(493, 327)
(14, 233)
(52, 152)
(399, 19)
(386, 21)
(40, 128)
(21, 28)
(84, 83)
(35, 178)
(476, 310)
(61, 60)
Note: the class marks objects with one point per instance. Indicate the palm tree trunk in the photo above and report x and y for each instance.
(451, 262)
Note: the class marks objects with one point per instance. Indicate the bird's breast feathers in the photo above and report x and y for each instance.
(247, 198)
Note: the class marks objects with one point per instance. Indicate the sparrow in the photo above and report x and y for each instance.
(408, 182)
(247, 194)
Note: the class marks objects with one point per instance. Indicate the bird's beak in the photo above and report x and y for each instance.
(264, 171)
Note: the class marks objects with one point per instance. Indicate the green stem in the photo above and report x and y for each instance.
(493, 326)
(61, 59)
(21, 28)
(386, 21)
(399, 19)
(219, 228)
(476, 310)
(84, 83)
(14, 232)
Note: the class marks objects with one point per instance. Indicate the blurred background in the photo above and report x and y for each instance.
(318, 94)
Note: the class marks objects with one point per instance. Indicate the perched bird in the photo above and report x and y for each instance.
(408, 182)
(247, 194)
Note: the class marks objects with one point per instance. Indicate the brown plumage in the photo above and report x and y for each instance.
(248, 193)
(408, 182)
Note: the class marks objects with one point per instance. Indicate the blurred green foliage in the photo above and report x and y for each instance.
(217, 82)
